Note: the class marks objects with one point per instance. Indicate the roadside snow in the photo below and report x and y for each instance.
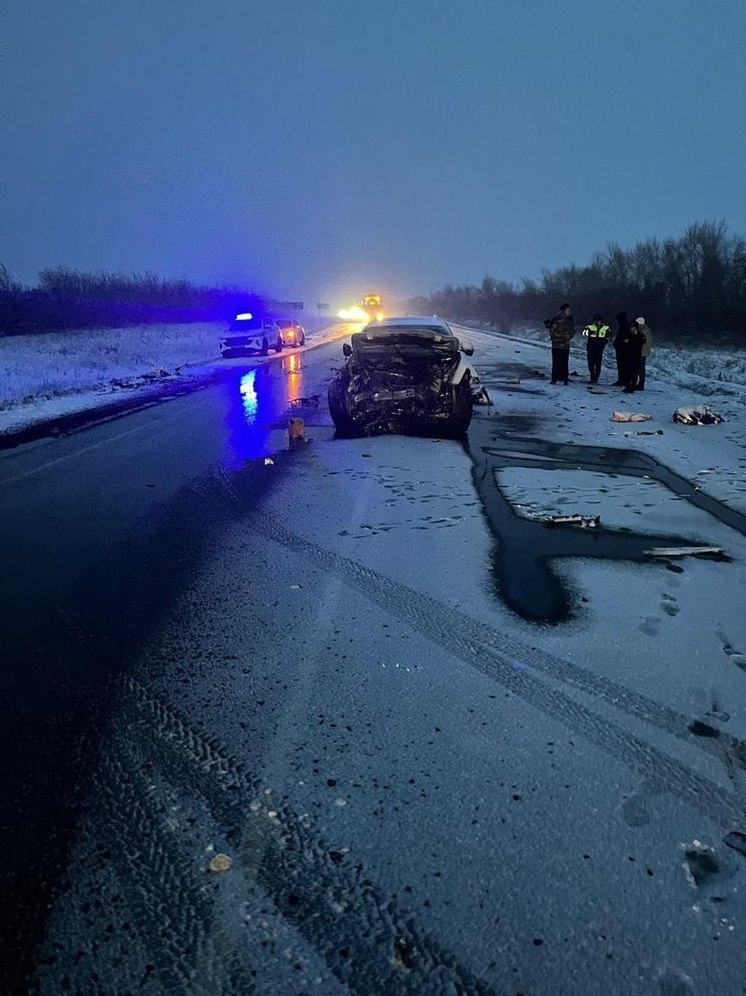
(39, 367)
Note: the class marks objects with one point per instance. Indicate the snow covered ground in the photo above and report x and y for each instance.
(512, 789)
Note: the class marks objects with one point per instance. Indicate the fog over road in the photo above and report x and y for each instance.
(328, 668)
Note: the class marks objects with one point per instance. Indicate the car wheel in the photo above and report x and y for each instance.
(302, 341)
(462, 408)
(278, 346)
(265, 346)
(339, 408)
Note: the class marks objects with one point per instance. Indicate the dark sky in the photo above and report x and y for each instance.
(323, 148)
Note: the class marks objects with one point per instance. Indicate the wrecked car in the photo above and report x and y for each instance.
(404, 375)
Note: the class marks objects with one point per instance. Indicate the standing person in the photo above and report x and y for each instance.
(631, 354)
(597, 334)
(647, 348)
(622, 328)
(561, 330)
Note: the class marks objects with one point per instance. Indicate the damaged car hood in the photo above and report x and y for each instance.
(410, 342)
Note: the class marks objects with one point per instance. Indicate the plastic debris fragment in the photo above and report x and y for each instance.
(220, 863)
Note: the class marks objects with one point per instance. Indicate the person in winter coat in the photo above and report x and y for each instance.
(647, 348)
(597, 333)
(622, 328)
(629, 355)
(561, 330)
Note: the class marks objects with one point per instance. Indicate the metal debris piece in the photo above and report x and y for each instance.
(310, 402)
(584, 521)
(220, 863)
(664, 552)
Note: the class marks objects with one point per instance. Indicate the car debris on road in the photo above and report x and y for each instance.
(584, 521)
(697, 415)
(667, 552)
(629, 417)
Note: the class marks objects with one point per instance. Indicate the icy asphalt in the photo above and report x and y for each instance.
(331, 668)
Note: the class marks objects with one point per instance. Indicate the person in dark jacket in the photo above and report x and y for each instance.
(597, 333)
(561, 330)
(629, 354)
(646, 351)
(622, 328)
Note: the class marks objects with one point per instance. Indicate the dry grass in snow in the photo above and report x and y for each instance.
(36, 367)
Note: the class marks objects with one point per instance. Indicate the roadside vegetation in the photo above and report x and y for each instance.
(41, 367)
(696, 283)
(68, 299)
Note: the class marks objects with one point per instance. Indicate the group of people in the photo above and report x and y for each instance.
(632, 345)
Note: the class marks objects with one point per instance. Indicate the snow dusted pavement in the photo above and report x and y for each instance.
(445, 748)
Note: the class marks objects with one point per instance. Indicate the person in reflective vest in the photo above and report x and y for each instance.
(597, 335)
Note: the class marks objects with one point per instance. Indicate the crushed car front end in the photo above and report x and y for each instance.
(402, 380)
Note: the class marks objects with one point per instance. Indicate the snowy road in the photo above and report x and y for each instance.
(446, 749)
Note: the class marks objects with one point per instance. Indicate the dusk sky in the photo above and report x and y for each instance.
(319, 149)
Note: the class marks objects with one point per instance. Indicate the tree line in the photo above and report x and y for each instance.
(696, 282)
(69, 299)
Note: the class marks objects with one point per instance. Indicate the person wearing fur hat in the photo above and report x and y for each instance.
(561, 330)
(647, 348)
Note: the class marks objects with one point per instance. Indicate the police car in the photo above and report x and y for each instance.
(251, 333)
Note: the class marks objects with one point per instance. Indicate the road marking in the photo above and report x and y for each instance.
(69, 456)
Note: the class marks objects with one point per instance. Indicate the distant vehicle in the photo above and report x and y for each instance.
(372, 305)
(368, 310)
(404, 375)
(248, 332)
(293, 333)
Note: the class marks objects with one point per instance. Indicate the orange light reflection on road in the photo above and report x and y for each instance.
(292, 369)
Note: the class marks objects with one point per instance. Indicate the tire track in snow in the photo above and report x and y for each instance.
(477, 645)
(357, 929)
